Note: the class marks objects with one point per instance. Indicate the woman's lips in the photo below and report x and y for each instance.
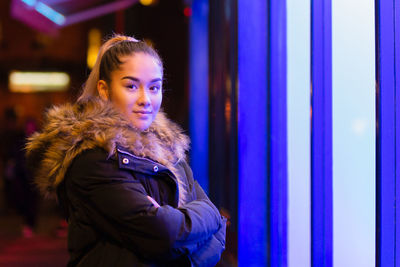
(142, 112)
(144, 115)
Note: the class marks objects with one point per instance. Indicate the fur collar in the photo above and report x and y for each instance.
(71, 129)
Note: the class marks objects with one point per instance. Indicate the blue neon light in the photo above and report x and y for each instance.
(387, 79)
(50, 13)
(29, 2)
(252, 133)
(199, 91)
(277, 134)
(262, 133)
(321, 134)
(397, 122)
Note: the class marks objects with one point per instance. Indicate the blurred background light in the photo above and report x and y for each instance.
(29, 2)
(187, 11)
(30, 82)
(94, 39)
(359, 126)
(146, 2)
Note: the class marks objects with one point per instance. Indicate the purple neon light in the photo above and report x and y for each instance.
(41, 16)
(50, 13)
(28, 15)
(54, 2)
(321, 134)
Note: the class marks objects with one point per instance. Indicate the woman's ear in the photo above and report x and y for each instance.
(102, 89)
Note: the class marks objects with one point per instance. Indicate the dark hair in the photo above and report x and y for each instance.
(109, 59)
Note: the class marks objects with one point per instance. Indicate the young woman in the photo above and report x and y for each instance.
(118, 168)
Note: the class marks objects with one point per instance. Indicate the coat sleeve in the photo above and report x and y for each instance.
(208, 253)
(118, 206)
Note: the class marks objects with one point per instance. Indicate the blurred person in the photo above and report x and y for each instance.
(12, 138)
(117, 166)
(28, 201)
(19, 191)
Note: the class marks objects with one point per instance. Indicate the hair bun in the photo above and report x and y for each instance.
(117, 38)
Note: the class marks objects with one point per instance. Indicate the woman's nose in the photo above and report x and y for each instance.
(144, 98)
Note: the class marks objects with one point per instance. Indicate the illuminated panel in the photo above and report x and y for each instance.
(30, 82)
(353, 129)
(298, 98)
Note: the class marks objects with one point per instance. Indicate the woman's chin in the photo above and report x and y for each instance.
(141, 125)
(141, 121)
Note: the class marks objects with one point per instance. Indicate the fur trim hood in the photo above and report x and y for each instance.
(72, 128)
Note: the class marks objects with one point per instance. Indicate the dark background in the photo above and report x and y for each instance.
(23, 48)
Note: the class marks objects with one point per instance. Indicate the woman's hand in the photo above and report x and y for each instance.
(153, 202)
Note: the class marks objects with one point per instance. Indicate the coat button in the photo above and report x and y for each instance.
(155, 168)
(125, 161)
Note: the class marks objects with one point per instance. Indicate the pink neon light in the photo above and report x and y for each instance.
(98, 11)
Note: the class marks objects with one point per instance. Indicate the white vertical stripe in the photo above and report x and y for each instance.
(298, 97)
(353, 94)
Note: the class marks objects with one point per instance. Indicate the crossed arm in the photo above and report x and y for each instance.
(119, 206)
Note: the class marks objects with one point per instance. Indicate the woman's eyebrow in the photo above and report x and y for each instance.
(130, 78)
(138, 80)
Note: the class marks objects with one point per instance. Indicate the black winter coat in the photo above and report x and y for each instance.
(129, 196)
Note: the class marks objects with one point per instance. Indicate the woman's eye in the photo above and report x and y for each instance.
(155, 88)
(131, 86)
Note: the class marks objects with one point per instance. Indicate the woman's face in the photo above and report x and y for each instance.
(135, 89)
